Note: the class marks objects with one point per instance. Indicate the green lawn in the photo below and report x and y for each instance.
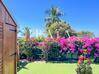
(53, 68)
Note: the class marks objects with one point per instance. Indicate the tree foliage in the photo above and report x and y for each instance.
(54, 15)
(85, 33)
(55, 25)
(27, 33)
(60, 28)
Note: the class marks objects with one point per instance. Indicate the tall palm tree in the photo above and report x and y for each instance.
(54, 15)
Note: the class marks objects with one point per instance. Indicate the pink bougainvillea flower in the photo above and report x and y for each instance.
(89, 49)
(48, 39)
(96, 55)
(81, 51)
(72, 50)
(72, 39)
(96, 40)
(97, 49)
(42, 44)
(84, 39)
(72, 47)
(63, 43)
(88, 43)
(97, 45)
(36, 43)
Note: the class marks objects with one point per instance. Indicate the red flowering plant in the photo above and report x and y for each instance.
(84, 61)
(83, 66)
(83, 58)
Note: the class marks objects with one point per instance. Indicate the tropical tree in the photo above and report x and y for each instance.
(60, 29)
(54, 15)
(27, 33)
(55, 26)
(25, 49)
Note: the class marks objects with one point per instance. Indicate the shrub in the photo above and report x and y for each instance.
(84, 62)
(60, 49)
(84, 69)
(21, 64)
(37, 54)
(54, 52)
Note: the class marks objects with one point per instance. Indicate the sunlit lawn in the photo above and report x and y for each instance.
(53, 68)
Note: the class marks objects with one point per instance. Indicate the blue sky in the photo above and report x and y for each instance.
(80, 14)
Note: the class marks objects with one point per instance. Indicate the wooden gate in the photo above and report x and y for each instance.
(8, 37)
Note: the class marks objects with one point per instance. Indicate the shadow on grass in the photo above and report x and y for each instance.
(68, 60)
(71, 60)
(21, 65)
(59, 62)
(96, 61)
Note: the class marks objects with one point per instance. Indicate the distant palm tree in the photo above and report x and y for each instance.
(27, 33)
(54, 15)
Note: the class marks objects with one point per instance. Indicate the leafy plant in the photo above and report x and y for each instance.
(54, 52)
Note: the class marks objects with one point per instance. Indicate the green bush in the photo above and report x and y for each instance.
(37, 54)
(53, 52)
(21, 64)
(84, 69)
(40, 38)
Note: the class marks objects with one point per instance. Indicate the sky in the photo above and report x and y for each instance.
(80, 14)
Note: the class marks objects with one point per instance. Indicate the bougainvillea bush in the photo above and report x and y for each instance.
(62, 48)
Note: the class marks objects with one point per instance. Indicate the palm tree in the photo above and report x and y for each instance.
(27, 33)
(54, 15)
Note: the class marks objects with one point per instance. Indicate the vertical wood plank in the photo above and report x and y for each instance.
(1, 44)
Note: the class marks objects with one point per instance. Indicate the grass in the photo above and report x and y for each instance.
(53, 68)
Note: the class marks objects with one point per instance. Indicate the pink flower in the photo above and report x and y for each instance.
(97, 45)
(89, 50)
(48, 39)
(63, 43)
(88, 42)
(97, 49)
(81, 51)
(72, 39)
(96, 39)
(42, 43)
(72, 47)
(96, 55)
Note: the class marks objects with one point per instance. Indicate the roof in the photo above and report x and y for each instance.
(8, 12)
